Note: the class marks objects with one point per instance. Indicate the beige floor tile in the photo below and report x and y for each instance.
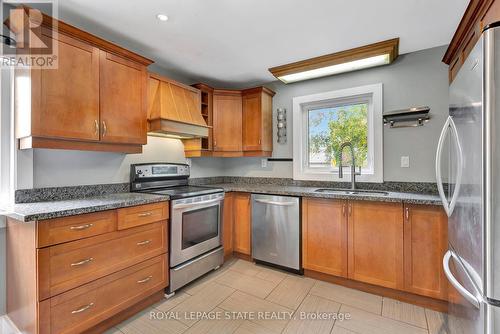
(291, 291)
(172, 302)
(411, 314)
(369, 323)
(273, 275)
(141, 323)
(249, 284)
(304, 322)
(339, 330)
(220, 325)
(437, 322)
(245, 267)
(343, 295)
(203, 301)
(259, 310)
(249, 327)
(113, 330)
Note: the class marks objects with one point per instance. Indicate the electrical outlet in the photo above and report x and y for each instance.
(405, 162)
(263, 163)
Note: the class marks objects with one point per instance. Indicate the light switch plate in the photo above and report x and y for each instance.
(405, 162)
(263, 163)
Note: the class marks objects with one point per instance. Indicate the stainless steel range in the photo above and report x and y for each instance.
(195, 219)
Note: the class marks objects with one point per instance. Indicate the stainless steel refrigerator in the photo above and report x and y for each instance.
(468, 176)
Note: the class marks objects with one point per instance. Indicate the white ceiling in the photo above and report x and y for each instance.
(233, 42)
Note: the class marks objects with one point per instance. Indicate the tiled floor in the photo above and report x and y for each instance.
(244, 298)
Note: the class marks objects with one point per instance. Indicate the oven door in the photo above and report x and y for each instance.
(195, 227)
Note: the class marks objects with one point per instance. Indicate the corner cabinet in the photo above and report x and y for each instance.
(241, 122)
(94, 100)
(227, 130)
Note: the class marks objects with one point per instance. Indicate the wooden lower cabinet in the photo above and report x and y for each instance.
(242, 242)
(376, 243)
(227, 225)
(324, 236)
(425, 243)
(88, 305)
(70, 274)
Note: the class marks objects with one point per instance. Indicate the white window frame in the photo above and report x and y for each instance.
(7, 142)
(373, 94)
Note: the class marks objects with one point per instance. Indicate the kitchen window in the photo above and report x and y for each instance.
(323, 122)
(6, 137)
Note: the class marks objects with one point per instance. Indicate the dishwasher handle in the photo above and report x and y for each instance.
(263, 201)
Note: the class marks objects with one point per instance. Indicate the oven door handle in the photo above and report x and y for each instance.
(190, 205)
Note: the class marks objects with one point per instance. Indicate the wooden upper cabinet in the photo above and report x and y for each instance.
(65, 102)
(94, 98)
(477, 16)
(425, 243)
(242, 241)
(123, 100)
(375, 252)
(227, 116)
(257, 121)
(324, 235)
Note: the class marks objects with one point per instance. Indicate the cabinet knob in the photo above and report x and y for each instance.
(407, 214)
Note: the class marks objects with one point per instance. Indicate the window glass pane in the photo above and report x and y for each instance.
(332, 126)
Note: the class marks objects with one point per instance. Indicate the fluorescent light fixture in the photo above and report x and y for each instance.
(336, 69)
(372, 55)
(162, 17)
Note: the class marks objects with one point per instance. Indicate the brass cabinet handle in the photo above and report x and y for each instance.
(350, 209)
(104, 128)
(142, 243)
(81, 227)
(147, 279)
(343, 209)
(96, 125)
(82, 309)
(407, 214)
(215, 143)
(145, 214)
(82, 262)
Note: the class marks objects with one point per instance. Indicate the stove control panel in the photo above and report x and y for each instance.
(159, 170)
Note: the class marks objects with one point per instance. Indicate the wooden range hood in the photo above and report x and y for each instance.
(174, 109)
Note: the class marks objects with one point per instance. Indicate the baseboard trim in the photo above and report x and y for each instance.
(7, 326)
(410, 298)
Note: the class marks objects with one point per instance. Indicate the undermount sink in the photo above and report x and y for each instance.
(351, 191)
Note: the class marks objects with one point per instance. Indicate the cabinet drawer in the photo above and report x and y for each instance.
(142, 215)
(69, 265)
(84, 307)
(59, 230)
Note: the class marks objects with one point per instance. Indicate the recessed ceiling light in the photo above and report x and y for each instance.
(162, 17)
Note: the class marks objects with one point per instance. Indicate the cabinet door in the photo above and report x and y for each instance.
(242, 223)
(65, 100)
(324, 236)
(227, 227)
(376, 243)
(426, 242)
(252, 122)
(227, 123)
(123, 100)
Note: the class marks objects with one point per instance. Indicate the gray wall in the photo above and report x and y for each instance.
(415, 79)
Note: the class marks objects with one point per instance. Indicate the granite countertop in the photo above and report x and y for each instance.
(411, 198)
(28, 212)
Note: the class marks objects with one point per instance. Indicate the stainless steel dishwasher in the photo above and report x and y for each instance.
(276, 231)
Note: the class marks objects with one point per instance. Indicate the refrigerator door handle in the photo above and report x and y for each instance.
(463, 291)
(449, 206)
